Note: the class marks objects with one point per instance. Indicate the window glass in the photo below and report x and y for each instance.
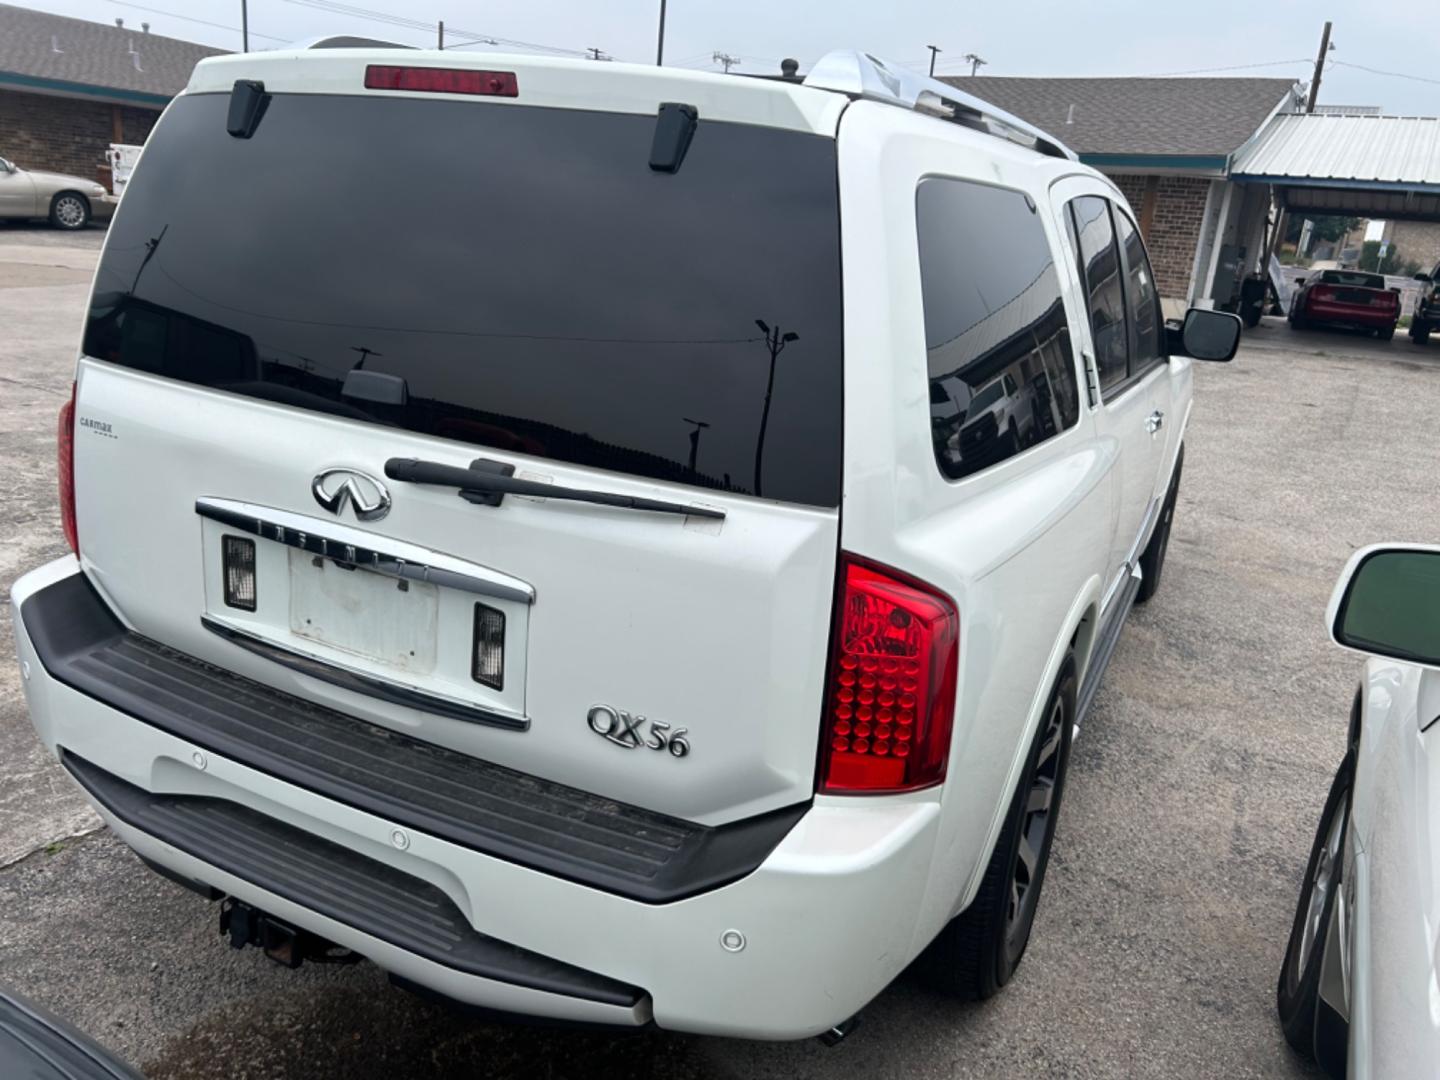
(526, 279)
(1002, 374)
(1142, 300)
(1100, 271)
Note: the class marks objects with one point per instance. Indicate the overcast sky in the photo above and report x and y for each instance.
(1016, 37)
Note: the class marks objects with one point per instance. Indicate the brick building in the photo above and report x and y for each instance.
(1169, 145)
(69, 88)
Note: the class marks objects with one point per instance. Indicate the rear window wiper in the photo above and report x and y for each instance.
(476, 482)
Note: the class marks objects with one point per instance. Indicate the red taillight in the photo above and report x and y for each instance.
(890, 693)
(442, 80)
(65, 462)
(1325, 296)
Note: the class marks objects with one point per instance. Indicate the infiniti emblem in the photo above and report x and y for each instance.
(367, 496)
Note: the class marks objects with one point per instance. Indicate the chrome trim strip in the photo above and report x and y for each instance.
(361, 683)
(380, 555)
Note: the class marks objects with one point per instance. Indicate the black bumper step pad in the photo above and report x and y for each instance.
(338, 883)
(550, 827)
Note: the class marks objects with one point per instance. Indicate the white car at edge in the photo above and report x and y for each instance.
(1359, 987)
(460, 574)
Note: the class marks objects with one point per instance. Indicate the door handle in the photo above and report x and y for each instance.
(1154, 421)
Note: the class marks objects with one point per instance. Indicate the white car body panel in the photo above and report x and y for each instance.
(1392, 869)
(1030, 550)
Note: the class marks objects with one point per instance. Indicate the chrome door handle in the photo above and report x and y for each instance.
(1154, 421)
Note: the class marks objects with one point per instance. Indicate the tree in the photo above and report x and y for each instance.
(1330, 227)
(1391, 264)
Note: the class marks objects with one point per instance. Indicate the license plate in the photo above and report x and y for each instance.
(370, 615)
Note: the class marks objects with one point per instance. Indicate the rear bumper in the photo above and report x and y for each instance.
(828, 917)
(1351, 315)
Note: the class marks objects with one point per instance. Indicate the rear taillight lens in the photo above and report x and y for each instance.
(1325, 296)
(890, 692)
(65, 461)
(442, 80)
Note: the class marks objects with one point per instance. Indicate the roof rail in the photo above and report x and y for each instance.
(347, 41)
(864, 76)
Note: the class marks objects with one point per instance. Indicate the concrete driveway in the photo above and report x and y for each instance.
(1193, 796)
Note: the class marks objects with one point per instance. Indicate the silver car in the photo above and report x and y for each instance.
(68, 201)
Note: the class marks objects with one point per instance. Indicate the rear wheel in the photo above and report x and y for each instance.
(1297, 995)
(69, 211)
(1419, 331)
(1152, 559)
(1387, 334)
(979, 950)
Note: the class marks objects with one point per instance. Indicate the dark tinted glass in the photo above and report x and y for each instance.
(1141, 299)
(1393, 606)
(1100, 265)
(536, 286)
(1352, 277)
(1002, 377)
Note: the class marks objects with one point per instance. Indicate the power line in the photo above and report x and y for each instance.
(1231, 67)
(1392, 74)
(202, 22)
(430, 28)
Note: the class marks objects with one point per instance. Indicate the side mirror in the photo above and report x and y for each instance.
(1387, 603)
(5, 166)
(1205, 335)
(1422, 277)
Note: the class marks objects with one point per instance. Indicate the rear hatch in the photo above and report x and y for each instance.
(368, 278)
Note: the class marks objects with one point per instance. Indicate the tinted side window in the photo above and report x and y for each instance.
(1002, 376)
(1100, 267)
(1141, 298)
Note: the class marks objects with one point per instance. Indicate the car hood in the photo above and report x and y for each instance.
(54, 181)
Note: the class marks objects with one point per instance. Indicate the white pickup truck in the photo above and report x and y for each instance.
(568, 568)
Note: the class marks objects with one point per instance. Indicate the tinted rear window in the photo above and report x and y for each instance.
(535, 284)
(1344, 277)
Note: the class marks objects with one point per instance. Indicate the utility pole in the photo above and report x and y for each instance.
(726, 59)
(700, 426)
(442, 36)
(934, 50)
(1325, 47)
(976, 62)
(660, 40)
(244, 25)
(596, 54)
(775, 341)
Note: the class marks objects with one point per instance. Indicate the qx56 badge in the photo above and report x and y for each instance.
(628, 730)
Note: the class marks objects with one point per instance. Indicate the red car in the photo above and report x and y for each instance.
(1347, 298)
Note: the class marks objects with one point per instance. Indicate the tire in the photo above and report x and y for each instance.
(1297, 994)
(1419, 332)
(977, 952)
(69, 211)
(1250, 314)
(1152, 559)
(1387, 334)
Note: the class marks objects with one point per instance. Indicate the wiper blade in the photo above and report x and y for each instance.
(414, 471)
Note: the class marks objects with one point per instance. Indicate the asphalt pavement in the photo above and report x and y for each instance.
(1193, 794)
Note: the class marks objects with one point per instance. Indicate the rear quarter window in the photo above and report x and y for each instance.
(1002, 374)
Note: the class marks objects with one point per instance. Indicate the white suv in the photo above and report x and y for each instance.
(508, 546)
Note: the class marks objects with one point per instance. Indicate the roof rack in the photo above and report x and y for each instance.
(864, 76)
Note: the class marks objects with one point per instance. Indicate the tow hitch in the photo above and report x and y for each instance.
(287, 945)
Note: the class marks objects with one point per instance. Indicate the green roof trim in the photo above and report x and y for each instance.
(1200, 162)
(34, 82)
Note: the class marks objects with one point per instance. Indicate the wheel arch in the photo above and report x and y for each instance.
(1077, 630)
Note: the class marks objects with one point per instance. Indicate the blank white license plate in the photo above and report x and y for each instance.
(366, 614)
